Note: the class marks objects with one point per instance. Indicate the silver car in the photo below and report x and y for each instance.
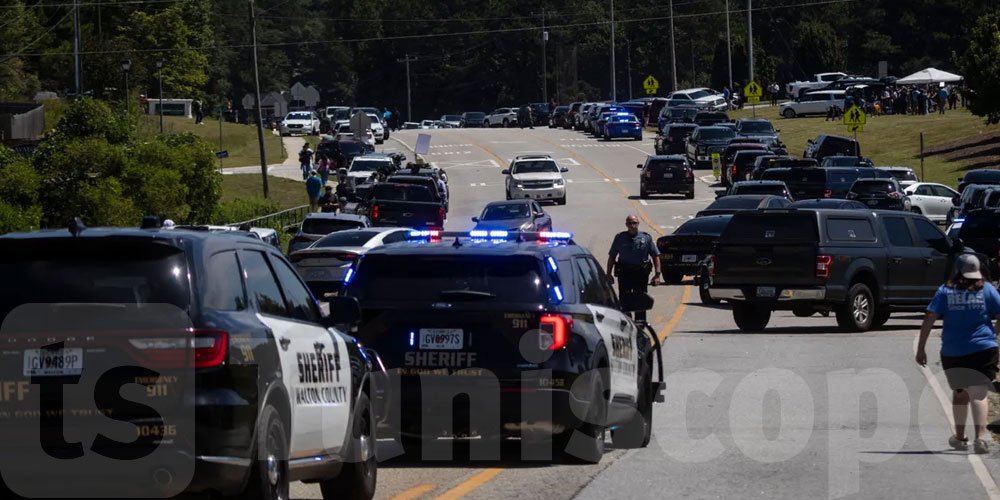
(537, 177)
(325, 264)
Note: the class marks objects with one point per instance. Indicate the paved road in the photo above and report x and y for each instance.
(800, 411)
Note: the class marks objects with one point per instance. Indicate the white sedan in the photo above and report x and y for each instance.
(300, 122)
(930, 199)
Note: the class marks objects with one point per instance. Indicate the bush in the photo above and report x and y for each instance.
(242, 209)
(19, 209)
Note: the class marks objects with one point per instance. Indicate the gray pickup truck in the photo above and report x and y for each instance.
(402, 205)
(859, 264)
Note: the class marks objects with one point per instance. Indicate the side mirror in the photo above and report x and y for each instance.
(639, 165)
(777, 130)
(563, 169)
(960, 179)
(632, 302)
(956, 201)
(475, 219)
(505, 171)
(958, 245)
(343, 311)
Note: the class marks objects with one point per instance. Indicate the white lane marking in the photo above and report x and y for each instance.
(607, 180)
(618, 180)
(637, 149)
(643, 203)
(482, 183)
(989, 484)
(507, 142)
(569, 161)
(569, 180)
(473, 184)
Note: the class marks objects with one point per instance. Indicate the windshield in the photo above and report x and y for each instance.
(489, 277)
(873, 187)
(840, 161)
(903, 175)
(698, 94)
(472, 116)
(346, 239)
(757, 127)
(452, 118)
(714, 134)
(505, 212)
(534, 167)
(359, 165)
(326, 226)
(704, 225)
(401, 192)
(298, 116)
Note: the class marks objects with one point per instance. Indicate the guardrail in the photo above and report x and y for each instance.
(278, 220)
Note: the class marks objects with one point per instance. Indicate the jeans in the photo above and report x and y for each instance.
(306, 167)
(324, 175)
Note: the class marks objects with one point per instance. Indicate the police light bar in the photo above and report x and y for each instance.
(425, 234)
(490, 235)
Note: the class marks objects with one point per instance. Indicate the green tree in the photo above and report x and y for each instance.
(980, 65)
(19, 209)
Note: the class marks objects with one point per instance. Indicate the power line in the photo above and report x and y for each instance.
(21, 53)
(102, 4)
(437, 35)
(27, 10)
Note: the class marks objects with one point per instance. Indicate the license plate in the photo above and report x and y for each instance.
(441, 338)
(873, 202)
(765, 292)
(57, 362)
(689, 258)
(316, 274)
(668, 175)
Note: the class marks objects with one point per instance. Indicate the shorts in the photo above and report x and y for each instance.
(978, 368)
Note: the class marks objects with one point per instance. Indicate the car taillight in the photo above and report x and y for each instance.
(734, 171)
(647, 174)
(553, 331)
(375, 211)
(689, 172)
(895, 195)
(441, 214)
(670, 138)
(828, 194)
(823, 266)
(208, 346)
(711, 266)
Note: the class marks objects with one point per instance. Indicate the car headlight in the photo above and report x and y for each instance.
(558, 182)
(526, 226)
(520, 186)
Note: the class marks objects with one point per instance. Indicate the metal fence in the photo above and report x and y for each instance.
(278, 220)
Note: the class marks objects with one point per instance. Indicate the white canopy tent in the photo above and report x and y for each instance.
(929, 75)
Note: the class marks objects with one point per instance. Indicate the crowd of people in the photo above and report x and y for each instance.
(323, 196)
(903, 100)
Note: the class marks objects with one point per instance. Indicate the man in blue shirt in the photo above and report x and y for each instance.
(633, 250)
(313, 186)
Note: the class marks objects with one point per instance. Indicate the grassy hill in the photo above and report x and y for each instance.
(240, 140)
(953, 143)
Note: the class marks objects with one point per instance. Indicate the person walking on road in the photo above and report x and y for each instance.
(313, 187)
(969, 354)
(305, 160)
(633, 250)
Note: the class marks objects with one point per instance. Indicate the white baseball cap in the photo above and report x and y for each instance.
(968, 266)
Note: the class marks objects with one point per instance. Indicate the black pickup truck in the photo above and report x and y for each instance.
(402, 205)
(859, 264)
(981, 232)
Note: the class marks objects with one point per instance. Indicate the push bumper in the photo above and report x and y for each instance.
(780, 294)
(553, 193)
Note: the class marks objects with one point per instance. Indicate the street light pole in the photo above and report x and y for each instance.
(729, 49)
(127, 65)
(259, 112)
(614, 88)
(159, 72)
(628, 65)
(750, 37)
(545, 75)
(76, 48)
(409, 110)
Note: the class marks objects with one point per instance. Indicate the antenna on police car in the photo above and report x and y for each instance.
(457, 243)
(76, 227)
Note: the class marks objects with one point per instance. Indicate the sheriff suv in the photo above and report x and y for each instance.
(537, 177)
(860, 265)
(232, 381)
(517, 322)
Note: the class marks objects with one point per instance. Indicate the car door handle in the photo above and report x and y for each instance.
(600, 317)
(928, 260)
(896, 260)
(284, 343)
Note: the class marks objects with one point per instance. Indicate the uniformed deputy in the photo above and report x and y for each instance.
(633, 249)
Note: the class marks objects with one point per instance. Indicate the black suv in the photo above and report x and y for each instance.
(859, 264)
(973, 197)
(831, 145)
(673, 139)
(983, 176)
(243, 383)
(882, 194)
(517, 322)
(666, 175)
(980, 232)
(820, 182)
(685, 252)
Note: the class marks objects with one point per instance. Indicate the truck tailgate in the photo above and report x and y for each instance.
(407, 213)
(746, 264)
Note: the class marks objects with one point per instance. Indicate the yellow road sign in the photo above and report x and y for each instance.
(854, 116)
(855, 128)
(716, 165)
(753, 100)
(650, 84)
(753, 90)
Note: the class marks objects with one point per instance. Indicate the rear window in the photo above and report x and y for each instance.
(327, 226)
(794, 163)
(757, 127)
(658, 166)
(401, 192)
(775, 189)
(804, 175)
(849, 229)
(842, 180)
(983, 176)
(903, 175)
(92, 272)
(704, 225)
(679, 132)
(473, 116)
(732, 202)
(981, 225)
(873, 187)
(712, 134)
(346, 239)
(487, 278)
(767, 228)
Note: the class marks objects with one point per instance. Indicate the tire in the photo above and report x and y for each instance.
(673, 277)
(689, 196)
(803, 312)
(916, 210)
(703, 294)
(506, 123)
(561, 201)
(269, 477)
(642, 192)
(788, 113)
(858, 312)
(637, 432)
(358, 477)
(585, 444)
(638, 138)
(751, 317)
(881, 317)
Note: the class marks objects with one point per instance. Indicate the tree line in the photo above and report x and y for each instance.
(470, 54)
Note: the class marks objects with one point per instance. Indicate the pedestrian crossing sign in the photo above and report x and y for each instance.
(650, 84)
(854, 116)
(753, 89)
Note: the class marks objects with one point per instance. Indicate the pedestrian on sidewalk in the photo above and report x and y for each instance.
(323, 167)
(305, 160)
(313, 187)
(968, 305)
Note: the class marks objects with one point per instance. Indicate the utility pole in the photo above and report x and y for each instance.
(259, 112)
(76, 47)
(694, 73)
(628, 64)
(409, 110)
(673, 52)
(614, 88)
(545, 75)
(750, 37)
(729, 49)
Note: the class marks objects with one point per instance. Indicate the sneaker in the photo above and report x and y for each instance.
(958, 444)
(981, 447)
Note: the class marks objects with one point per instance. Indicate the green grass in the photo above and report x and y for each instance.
(240, 140)
(889, 140)
(285, 192)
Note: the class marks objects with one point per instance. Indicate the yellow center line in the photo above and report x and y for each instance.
(677, 314)
(470, 484)
(414, 493)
